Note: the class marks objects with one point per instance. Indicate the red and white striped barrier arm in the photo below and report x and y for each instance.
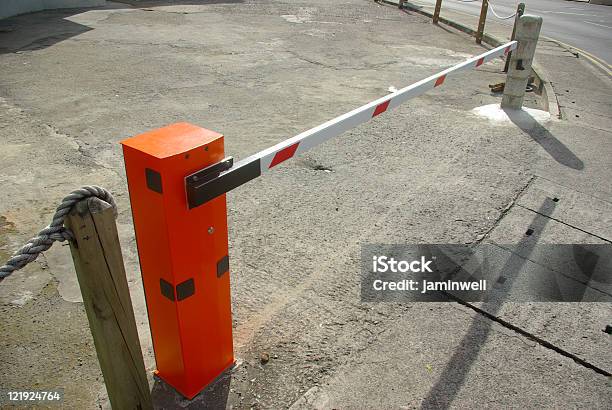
(225, 176)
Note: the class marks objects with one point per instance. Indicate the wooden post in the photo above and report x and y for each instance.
(436, 15)
(520, 10)
(481, 21)
(99, 266)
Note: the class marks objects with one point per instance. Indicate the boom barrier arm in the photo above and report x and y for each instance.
(224, 176)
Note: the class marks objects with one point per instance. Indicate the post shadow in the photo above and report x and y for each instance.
(442, 394)
(555, 148)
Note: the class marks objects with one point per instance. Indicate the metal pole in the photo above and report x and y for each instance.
(519, 70)
(436, 15)
(520, 10)
(482, 20)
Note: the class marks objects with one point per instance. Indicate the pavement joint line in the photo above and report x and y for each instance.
(506, 210)
(531, 336)
(509, 325)
(565, 223)
(574, 189)
(586, 284)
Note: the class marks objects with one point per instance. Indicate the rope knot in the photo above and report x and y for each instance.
(55, 231)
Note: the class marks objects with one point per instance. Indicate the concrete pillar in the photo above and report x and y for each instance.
(527, 33)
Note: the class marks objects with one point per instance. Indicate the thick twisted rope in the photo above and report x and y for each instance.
(498, 16)
(56, 230)
(491, 8)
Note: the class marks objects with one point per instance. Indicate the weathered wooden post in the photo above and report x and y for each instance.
(99, 266)
(520, 10)
(436, 15)
(481, 22)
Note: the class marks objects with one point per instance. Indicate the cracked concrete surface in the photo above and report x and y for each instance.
(76, 82)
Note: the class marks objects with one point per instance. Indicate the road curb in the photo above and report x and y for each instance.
(542, 82)
(548, 93)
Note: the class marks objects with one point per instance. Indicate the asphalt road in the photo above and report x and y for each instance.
(583, 25)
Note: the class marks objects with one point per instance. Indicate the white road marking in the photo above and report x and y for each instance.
(564, 12)
(597, 24)
(574, 14)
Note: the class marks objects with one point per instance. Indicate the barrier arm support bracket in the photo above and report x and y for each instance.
(224, 176)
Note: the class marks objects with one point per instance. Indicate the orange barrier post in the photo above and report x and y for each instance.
(183, 254)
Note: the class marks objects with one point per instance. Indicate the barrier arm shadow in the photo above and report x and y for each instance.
(451, 380)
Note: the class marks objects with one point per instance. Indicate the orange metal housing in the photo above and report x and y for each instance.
(183, 254)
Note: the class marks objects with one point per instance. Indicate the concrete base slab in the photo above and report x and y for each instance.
(526, 117)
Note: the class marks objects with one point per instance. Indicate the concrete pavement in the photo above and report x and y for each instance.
(75, 83)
